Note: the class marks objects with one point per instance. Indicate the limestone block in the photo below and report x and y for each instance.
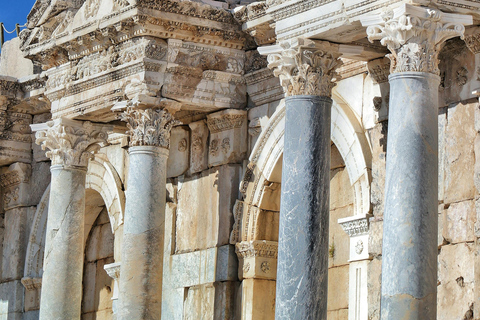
(442, 128)
(263, 87)
(225, 300)
(459, 153)
(32, 293)
(270, 198)
(199, 146)
(456, 281)
(341, 193)
(339, 241)
(375, 235)
(11, 299)
(337, 314)
(12, 62)
(14, 243)
(204, 90)
(258, 299)
(117, 158)
(31, 315)
(39, 181)
(15, 134)
(199, 302)
(200, 267)
(459, 222)
(204, 213)
(257, 259)
(374, 289)
(15, 182)
(178, 157)
(351, 89)
(97, 287)
(267, 224)
(378, 137)
(228, 137)
(441, 221)
(172, 303)
(338, 288)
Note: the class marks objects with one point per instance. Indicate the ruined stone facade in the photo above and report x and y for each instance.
(218, 159)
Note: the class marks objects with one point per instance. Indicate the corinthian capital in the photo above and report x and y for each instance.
(304, 67)
(415, 35)
(70, 143)
(149, 127)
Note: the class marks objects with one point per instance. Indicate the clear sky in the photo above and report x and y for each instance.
(14, 11)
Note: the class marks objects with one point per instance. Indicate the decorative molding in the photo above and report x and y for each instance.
(305, 67)
(71, 143)
(237, 225)
(113, 270)
(149, 127)
(31, 284)
(17, 173)
(379, 70)
(356, 225)
(414, 36)
(257, 248)
(225, 121)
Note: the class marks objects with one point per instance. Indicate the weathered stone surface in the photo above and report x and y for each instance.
(459, 153)
(378, 136)
(179, 152)
(456, 281)
(198, 146)
(12, 62)
(459, 222)
(14, 245)
(204, 212)
(260, 308)
(374, 287)
(228, 137)
(338, 288)
(11, 293)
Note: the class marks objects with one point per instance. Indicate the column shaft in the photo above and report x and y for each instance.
(143, 234)
(64, 246)
(409, 262)
(302, 273)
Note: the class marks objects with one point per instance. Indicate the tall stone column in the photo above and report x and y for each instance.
(306, 70)
(144, 223)
(414, 36)
(71, 144)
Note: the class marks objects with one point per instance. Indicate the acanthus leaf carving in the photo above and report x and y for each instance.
(70, 143)
(414, 37)
(149, 127)
(306, 68)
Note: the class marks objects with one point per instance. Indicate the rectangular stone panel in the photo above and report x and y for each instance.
(178, 157)
(199, 146)
(204, 213)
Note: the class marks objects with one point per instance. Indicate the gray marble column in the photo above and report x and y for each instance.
(302, 272)
(409, 263)
(140, 295)
(71, 144)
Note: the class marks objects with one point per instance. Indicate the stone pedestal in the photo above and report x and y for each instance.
(140, 294)
(72, 144)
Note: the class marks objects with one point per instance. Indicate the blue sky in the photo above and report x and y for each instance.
(14, 11)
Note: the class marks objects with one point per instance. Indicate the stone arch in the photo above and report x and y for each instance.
(102, 178)
(265, 163)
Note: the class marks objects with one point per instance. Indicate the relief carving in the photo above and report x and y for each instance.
(182, 145)
(414, 38)
(306, 68)
(70, 143)
(149, 127)
(214, 148)
(225, 145)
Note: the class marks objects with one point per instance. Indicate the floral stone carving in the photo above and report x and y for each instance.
(415, 35)
(70, 143)
(306, 67)
(149, 127)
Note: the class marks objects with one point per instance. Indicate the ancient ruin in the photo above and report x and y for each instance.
(241, 160)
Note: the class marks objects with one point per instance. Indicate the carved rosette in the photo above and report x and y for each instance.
(414, 38)
(72, 143)
(306, 69)
(149, 127)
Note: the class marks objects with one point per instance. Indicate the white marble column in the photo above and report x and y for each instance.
(71, 145)
(144, 223)
(414, 35)
(306, 70)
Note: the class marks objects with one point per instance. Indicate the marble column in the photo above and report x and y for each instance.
(414, 36)
(71, 144)
(141, 268)
(306, 70)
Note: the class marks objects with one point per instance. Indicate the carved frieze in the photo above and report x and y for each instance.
(305, 67)
(14, 183)
(379, 70)
(258, 259)
(149, 127)
(355, 227)
(415, 35)
(70, 143)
